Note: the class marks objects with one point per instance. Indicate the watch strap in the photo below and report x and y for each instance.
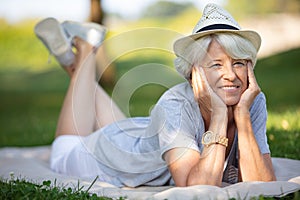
(214, 139)
(221, 140)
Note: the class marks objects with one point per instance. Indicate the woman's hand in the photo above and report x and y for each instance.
(249, 94)
(209, 102)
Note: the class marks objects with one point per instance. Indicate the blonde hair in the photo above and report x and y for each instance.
(236, 46)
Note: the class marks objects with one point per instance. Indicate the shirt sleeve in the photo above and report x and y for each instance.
(174, 120)
(259, 114)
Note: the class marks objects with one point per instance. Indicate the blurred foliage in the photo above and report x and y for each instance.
(246, 8)
(162, 9)
(20, 48)
(181, 23)
(243, 8)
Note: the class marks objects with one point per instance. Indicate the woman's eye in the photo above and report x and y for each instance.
(239, 64)
(217, 65)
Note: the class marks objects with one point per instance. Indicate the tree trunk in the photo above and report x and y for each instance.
(96, 12)
(108, 76)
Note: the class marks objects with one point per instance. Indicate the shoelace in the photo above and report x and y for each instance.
(49, 61)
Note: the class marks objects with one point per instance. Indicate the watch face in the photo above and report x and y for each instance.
(207, 138)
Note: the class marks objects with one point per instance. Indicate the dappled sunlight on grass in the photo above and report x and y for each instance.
(283, 131)
(287, 120)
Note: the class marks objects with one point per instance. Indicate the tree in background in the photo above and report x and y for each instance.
(96, 11)
(96, 15)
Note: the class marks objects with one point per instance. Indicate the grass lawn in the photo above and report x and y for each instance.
(278, 77)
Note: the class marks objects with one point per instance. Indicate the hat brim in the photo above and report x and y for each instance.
(181, 44)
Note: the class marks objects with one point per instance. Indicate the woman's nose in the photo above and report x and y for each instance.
(229, 73)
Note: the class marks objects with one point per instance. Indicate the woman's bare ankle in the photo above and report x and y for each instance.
(83, 50)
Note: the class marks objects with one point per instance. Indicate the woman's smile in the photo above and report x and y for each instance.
(230, 88)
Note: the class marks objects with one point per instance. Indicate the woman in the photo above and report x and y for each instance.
(208, 130)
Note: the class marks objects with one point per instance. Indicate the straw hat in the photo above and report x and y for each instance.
(215, 20)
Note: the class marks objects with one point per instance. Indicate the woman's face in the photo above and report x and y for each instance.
(227, 77)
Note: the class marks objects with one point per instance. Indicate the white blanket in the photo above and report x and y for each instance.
(32, 164)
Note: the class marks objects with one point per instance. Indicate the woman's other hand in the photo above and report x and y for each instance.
(209, 102)
(249, 94)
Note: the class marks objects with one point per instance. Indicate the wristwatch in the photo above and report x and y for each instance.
(210, 138)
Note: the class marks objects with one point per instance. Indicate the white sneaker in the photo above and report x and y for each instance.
(91, 32)
(50, 32)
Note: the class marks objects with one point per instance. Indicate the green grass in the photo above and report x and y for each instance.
(29, 108)
(22, 189)
(279, 78)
